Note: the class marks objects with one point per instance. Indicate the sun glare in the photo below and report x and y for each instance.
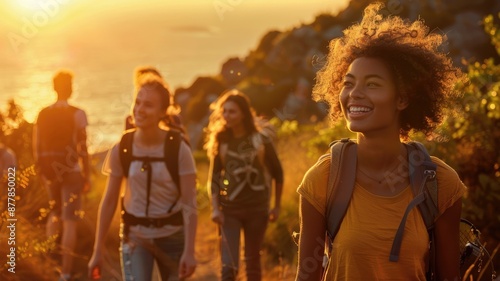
(24, 7)
(29, 4)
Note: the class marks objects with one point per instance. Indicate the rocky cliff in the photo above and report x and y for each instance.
(278, 74)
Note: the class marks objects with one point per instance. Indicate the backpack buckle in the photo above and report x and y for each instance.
(153, 222)
(431, 174)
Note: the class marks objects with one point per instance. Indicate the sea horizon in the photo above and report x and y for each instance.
(104, 59)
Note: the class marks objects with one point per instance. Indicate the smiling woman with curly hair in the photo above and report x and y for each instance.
(386, 77)
(422, 74)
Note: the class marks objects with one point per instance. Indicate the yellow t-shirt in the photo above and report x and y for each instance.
(362, 245)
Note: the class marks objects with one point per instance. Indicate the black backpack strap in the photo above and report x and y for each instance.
(171, 150)
(170, 157)
(340, 183)
(126, 150)
(423, 180)
(171, 154)
(146, 167)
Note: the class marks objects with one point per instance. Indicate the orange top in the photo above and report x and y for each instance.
(362, 245)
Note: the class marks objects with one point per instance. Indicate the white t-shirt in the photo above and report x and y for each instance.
(163, 192)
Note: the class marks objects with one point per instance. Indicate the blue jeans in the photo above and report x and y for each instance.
(138, 255)
(254, 227)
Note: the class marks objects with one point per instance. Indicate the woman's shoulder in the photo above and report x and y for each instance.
(114, 151)
(450, 187)
(314, 184)
(320, 170)
(443, 169)
(449, 181)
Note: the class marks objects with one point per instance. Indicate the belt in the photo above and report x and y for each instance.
(131, 220)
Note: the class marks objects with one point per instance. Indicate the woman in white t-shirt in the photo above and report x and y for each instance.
(158, 217)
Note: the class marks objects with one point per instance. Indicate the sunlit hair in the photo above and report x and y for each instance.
(155, 84)
(423, 74)
(147, 69)
(142, 73)
(216, 131)
(62, 82)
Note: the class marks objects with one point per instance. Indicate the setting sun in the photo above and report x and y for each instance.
(29, 4)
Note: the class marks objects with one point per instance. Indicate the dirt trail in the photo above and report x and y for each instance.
(207, 252)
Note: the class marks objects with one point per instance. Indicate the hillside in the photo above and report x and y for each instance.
(278, 74)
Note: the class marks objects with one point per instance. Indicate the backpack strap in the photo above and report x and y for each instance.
(423, 180)
(170, 157)
(126, 151)
(339, 191)
(422, 172)
(171, 154)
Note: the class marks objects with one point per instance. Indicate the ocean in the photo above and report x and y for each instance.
(104, 48)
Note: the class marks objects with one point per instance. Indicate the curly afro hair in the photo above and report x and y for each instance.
(423, 73)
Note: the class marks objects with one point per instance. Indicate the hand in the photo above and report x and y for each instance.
(187, 266)
(94, 265)
(274, 214)
(217, 216)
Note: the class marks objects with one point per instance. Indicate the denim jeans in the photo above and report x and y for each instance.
(138, 255)
(254, 227)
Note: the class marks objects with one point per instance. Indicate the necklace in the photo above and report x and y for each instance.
(379, 181)
(386, 174)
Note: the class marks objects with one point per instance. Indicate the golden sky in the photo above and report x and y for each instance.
(103, 40)
(26, 19)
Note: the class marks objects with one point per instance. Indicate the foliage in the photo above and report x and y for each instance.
(15, 133)
(30, 201)
(325, 134)
(285, 128)
(477, 138)
(472, 142)
(493, 30)
(278, 242)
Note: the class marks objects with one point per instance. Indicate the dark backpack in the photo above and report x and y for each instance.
(170, 157)
(423, 180)
(57, 152)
